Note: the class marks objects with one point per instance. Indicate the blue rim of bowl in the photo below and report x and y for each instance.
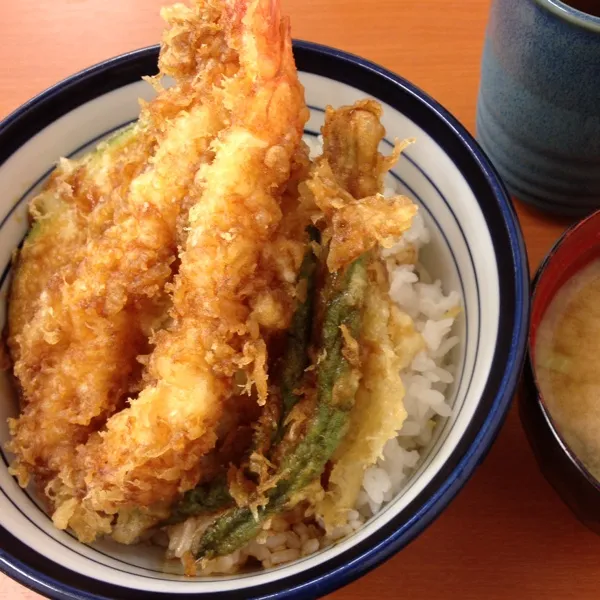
(47, 577)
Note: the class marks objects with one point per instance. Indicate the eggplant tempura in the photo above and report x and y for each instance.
(199, 319)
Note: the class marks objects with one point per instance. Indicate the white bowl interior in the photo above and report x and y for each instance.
(461, 254)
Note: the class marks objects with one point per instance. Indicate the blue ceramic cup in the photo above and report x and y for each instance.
(538, 113)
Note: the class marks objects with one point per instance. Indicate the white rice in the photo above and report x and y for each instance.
(426, 383)
(426, 380)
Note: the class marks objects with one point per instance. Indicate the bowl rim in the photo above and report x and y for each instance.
(539, 399)
(513, 273)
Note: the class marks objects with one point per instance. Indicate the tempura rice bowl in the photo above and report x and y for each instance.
(471, 245)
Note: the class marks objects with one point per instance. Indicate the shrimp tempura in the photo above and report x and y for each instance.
(75, 350)
(227, 296)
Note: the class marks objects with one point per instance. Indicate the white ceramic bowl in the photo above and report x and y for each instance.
(476, 248)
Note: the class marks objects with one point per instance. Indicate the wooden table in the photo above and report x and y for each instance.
(507, 535)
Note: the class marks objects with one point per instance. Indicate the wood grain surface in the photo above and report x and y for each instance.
(507, 535)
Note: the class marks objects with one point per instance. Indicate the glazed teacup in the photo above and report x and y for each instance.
(538, 114)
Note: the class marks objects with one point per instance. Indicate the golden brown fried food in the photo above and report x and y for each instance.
(351, 138)
(346, 184)
(75, 350)
(226, 296)
(143, 344)
(79, 199)
(389, 342)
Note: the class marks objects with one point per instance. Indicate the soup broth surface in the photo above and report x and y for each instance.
(567, 364)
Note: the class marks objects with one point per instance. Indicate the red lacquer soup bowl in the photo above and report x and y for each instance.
(576, 248)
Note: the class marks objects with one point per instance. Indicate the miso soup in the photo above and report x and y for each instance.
(567, 364)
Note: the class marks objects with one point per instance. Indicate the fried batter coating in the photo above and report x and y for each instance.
(151, 451)
(346, 183)
(389, 342)
(75, 350)
(177, 272)
(80, 196)
(357, 225)
(351, 137)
